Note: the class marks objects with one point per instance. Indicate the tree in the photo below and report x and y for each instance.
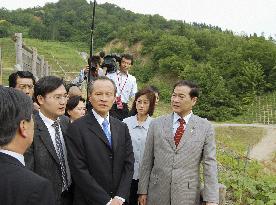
(215, 101)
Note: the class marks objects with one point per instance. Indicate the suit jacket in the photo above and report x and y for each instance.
(99, 172)
(20, 186)
(170, 174)
(41, 157)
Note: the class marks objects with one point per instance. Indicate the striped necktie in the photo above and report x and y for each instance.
(60, 154)
(179, 132)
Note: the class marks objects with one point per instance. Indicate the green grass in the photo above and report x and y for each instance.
(239, 138)
(8, 52)
(162, 108)
(247, 181)
(262, 110)
(64, 54)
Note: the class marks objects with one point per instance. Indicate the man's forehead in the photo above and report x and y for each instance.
(126, 60)
(59, 91)
(24, 81)
(102, 84)
(182, 89)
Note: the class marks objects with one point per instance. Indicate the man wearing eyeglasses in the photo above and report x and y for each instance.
(47, 156)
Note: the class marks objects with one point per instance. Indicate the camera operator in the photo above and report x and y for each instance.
(95, 71)
(126, 87)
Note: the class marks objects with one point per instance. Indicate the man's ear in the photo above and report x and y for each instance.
(22, 128)
(114, 100)
(40, 99)
(69, 112)
(194, 100)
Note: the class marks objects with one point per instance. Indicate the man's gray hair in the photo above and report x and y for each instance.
(91, 84)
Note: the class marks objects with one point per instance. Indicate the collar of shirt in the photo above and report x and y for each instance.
(48, 122)
(99, 118)
(15, 155)
(122, 73)
(186, 118)
(145, 124)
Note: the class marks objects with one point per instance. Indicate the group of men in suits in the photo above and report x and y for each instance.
(90, 162)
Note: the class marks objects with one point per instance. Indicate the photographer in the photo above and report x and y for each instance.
(126, 87)
(95, 71)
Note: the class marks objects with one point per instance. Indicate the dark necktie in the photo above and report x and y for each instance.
(179, 132)
(60, 154)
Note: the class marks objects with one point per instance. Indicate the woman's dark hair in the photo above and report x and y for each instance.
(72, 103)
(154, 89)
(151, 97)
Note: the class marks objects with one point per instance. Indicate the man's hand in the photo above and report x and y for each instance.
(116, 202)
(86, 69)
(142, 199)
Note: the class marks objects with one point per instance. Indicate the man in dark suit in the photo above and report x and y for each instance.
(18, 185)
(47, 155)
(100, 151)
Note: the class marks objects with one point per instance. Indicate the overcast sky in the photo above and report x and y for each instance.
(248, 16)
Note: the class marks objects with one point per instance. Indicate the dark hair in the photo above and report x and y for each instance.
(102, 54)
(194, 88)
(72, 103)
(91, 84)
(151, 97)
(96, 60)
(15, 106)
(68, 86)
(20, 74)
(47, 85)
(128, 57)
(154, 89)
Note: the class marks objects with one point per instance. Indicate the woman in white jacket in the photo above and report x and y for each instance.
(138, 124)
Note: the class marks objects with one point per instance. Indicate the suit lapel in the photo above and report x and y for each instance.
(45, 137)
(189, 132)
(168, 130)
(114, 132)
(95, 127)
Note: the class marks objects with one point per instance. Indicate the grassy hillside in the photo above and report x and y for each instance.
(60, 55)
(261, 110)
(230, 69)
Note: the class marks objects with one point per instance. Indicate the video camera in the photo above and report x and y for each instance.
(111, 62)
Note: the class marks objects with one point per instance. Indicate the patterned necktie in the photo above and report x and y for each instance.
(179, 132)
(60, 154)
(106, 131)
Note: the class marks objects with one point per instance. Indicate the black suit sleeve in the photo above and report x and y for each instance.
(92, 191)
(42, 194)
(126, 177)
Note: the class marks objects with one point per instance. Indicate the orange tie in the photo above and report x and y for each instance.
(179, 132)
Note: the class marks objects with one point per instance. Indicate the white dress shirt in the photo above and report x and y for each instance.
(100, 119)
(15, 155)
(138, 135)
(125, 83)
(48, 122)
(176, 122)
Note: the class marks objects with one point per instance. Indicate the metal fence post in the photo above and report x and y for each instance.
(18, 48)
